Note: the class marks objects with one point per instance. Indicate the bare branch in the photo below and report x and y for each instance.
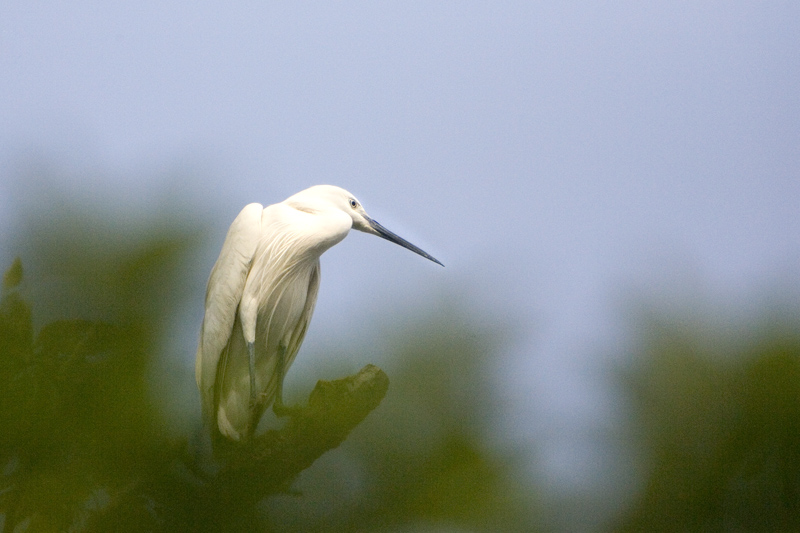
(268, 463)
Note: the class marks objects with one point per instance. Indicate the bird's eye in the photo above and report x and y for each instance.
(353, 203)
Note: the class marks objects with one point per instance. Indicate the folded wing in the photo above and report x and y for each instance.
(223, 294)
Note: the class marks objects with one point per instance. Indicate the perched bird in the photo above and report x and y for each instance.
(260, 298)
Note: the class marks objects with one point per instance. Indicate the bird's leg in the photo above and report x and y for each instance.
(251, 353)
(278, 407)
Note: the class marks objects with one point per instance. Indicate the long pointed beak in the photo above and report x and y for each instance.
(380, 231)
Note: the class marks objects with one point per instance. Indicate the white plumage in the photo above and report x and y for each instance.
(260, 298)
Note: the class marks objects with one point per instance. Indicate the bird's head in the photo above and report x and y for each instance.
(325, 197)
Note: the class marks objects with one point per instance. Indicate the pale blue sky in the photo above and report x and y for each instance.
(556, 157)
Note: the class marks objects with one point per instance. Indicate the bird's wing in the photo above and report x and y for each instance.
(225, 287)
(305, 319)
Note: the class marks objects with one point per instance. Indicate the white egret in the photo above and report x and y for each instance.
(260, 297)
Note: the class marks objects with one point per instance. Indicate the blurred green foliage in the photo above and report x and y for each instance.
(719, 421)
(84, 445)
(82, 442)
(427, 459)
(76, 424)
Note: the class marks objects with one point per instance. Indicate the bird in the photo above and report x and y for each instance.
(260, 297)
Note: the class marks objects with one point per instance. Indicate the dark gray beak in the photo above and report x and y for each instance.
(392, 237)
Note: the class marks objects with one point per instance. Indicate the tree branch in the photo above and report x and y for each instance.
(267, 464)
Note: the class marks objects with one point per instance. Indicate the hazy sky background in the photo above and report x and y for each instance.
(556, 157)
